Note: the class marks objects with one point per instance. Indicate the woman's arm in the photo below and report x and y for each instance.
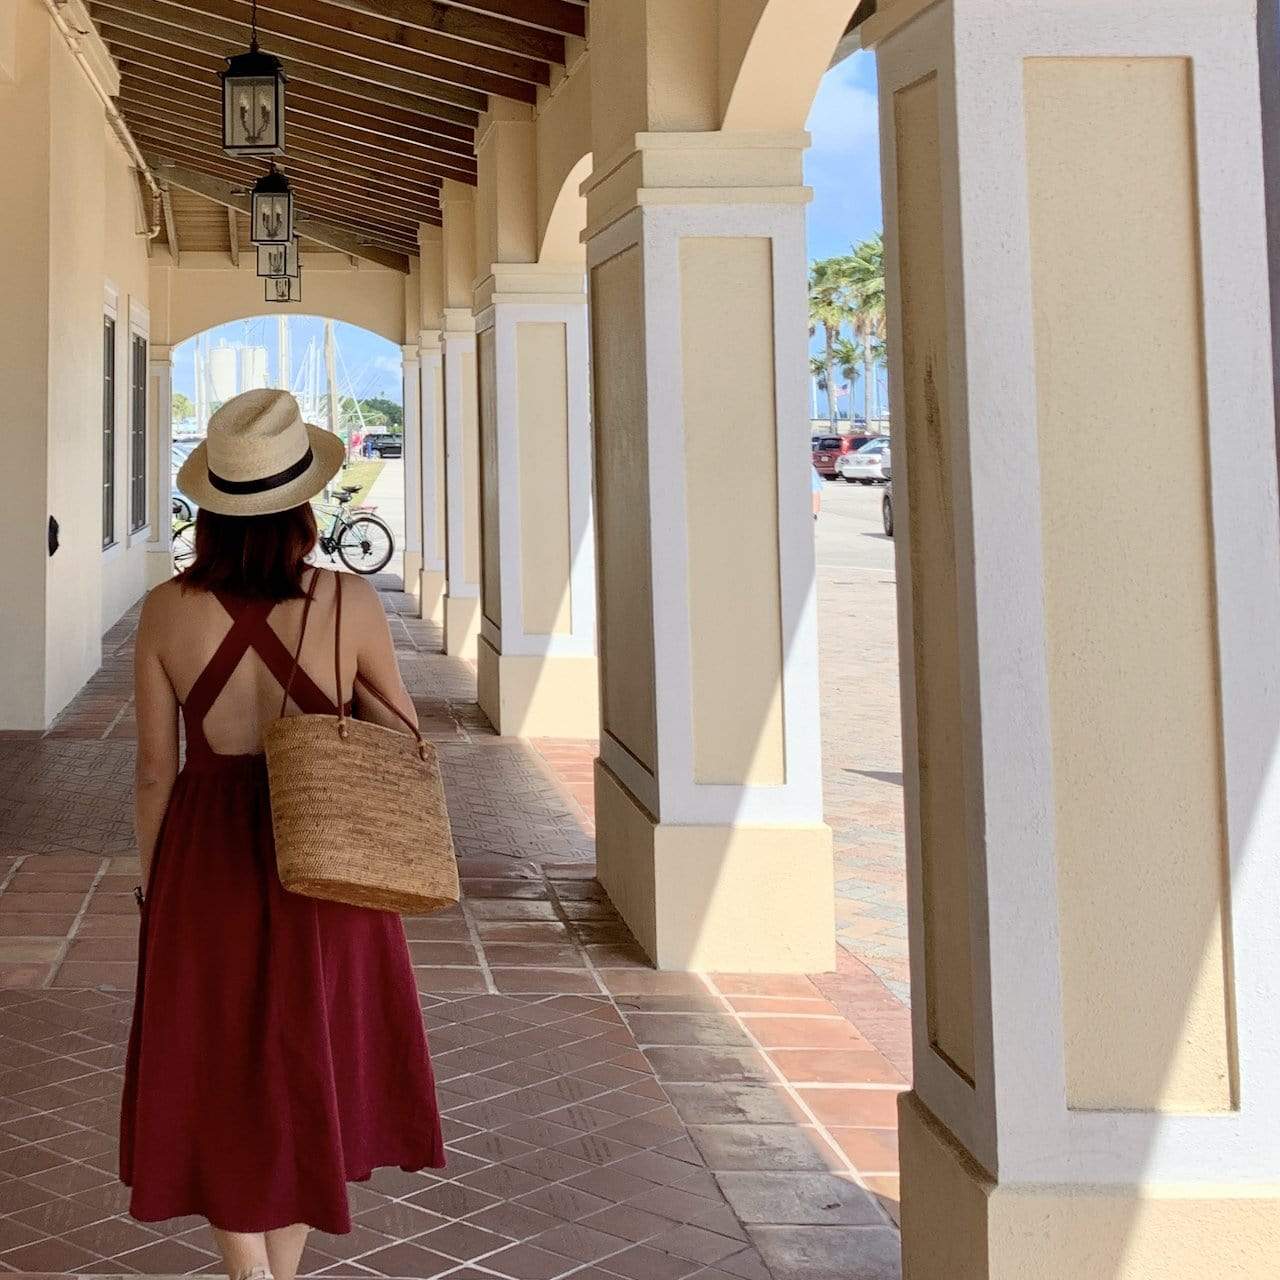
(376, 657)
(156, 709)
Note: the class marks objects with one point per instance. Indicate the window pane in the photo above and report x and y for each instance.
(108, 431)
(138, 436)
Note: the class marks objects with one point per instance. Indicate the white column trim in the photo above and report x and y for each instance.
(458, 339)
(160, 378)
(675, 796)
(412, 448)
(431, 368)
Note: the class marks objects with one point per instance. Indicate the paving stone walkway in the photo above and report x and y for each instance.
(604, 1121)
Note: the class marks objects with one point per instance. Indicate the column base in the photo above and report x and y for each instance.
(957, 1224)
(722, 899)
(431, 589)
(412, 573)
(461, 626)
(538, 696)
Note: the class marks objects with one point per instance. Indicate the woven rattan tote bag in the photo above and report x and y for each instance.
(358, 810)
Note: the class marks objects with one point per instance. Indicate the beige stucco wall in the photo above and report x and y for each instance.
(563, 164)
(1129, 585)
(935, 657)
(622, 506)
(206, 290)
(735, 636)
(68, 222)
(127, 270)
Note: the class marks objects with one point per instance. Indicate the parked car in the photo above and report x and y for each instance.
(386, 445)
(865, 465)
(828, 450)
(886, 510)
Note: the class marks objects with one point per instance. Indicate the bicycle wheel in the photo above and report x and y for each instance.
(365, 544)
(184, 543)
(182, 509)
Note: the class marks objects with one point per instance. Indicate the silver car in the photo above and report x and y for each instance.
(866, 465)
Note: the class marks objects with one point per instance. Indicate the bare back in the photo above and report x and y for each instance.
(188, 630)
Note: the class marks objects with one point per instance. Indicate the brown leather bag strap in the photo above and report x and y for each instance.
(297, 653)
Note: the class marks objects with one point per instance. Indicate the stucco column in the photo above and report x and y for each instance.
(536, 665)
(461, 425)
(708, 788)
(1075, 243)
(431, 479)
(411, 461)
(160, 413)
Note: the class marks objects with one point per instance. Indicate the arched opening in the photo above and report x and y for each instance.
(345, 378)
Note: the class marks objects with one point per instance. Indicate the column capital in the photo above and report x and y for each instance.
(530, 282)
(409, 353)
(158, 353)
(429, 342)
(458, 321)
(720, 168)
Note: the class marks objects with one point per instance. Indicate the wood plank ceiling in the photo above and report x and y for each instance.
(382, 102)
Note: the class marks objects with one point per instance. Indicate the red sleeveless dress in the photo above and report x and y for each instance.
(277, 1049)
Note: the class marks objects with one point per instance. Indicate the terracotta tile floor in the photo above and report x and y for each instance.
(603, 1120)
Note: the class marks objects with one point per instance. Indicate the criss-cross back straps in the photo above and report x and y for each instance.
(251, 630)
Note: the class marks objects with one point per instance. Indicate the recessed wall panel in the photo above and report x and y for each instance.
(625, 590)
(542, 359)
(731, 491)
(490, 478)
(935, 654)
(1129, 584)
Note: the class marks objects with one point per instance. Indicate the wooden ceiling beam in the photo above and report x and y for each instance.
(363, 23)
(183, 61)
(410, 204)
(396, 229)
(301, 26)
(326, 155)
(173, 107)
(465, 24)
(564, 16)
(316, 229)
(124, 26)
(382, 121)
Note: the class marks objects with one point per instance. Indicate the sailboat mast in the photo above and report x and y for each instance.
(282, 352)
(331, 378)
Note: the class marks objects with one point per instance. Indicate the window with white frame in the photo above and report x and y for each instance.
(137, 431)
(108, 430)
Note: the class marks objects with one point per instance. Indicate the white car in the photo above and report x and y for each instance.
(867, 465)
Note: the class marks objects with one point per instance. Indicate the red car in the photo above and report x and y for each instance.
(828, 449)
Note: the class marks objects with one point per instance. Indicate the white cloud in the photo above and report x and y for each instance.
(845, 115)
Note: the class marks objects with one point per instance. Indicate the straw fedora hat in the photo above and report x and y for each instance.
(260, 457)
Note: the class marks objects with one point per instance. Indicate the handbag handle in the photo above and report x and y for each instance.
(297, 653)
(360, 679)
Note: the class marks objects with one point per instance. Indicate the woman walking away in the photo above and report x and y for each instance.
(277, 1049)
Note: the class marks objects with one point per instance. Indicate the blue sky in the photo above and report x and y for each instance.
(843, 168)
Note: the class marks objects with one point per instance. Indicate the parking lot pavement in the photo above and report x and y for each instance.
(861, 728)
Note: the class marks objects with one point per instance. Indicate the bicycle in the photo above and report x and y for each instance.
(183, 530)
(363, 542)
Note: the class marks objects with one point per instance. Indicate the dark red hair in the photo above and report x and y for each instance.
(259, 557)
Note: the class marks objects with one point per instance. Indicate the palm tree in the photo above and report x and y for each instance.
(864, 272)
(829, 310)
(849, 360)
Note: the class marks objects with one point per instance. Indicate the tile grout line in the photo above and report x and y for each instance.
(793, 1093)
(72, 930)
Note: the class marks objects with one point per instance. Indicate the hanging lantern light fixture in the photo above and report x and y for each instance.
(253, 100)
(284, 288)
(271, 210)
(278, 259)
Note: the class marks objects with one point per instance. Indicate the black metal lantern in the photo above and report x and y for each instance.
(271, 212)
(278, 259)
(253, 101)
(284, 288)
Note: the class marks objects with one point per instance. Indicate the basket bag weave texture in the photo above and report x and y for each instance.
(358, 810)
